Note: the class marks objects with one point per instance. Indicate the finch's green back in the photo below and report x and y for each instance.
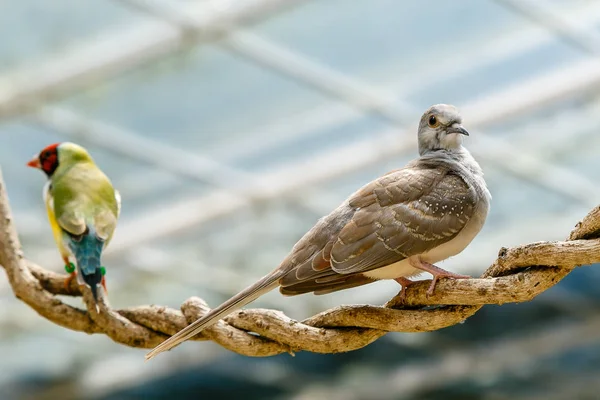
(83, 194)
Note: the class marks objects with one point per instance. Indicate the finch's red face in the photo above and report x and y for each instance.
(47, 160)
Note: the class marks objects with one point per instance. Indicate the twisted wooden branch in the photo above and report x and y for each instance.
(519, 274)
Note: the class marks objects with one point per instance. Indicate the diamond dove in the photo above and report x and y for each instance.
(395, 227)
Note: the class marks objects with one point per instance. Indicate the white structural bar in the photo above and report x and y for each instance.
(140, 148)
(288, 62)
(96, 60)
(547, 14)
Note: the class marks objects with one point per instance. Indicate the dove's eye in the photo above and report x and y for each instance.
(433, 122)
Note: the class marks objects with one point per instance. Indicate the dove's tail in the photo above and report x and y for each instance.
(246, 296)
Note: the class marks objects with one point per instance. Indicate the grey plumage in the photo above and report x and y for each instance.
(394, 227)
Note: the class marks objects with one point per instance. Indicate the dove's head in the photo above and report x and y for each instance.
(440, 128)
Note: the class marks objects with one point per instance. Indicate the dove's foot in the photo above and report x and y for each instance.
(437, 273)
(405, 282)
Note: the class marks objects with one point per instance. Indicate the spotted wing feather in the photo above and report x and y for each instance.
(406, 212)
(412, 212)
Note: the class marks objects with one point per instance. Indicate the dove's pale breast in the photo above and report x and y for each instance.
(440, 253)
(473, 177)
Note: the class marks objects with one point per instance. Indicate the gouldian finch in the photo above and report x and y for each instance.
(83, 208)
(394, 227)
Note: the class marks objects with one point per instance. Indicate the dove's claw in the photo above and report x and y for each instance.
(405, 282)
(437, 273)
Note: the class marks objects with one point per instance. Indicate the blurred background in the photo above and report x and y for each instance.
(231, 126)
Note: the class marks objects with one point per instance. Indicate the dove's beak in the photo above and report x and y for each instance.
(34, 162)
(456, 128)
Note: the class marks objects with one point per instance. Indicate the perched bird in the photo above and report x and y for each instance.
(395, 227)
(82, 207)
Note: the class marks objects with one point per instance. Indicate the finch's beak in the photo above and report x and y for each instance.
(34, 162)
(456, 128)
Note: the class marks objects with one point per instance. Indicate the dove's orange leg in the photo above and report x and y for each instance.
(437, 273)
(405, 282)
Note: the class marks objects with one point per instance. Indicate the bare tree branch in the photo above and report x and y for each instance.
(519, 274)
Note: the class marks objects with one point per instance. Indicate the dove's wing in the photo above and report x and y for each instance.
(407, 212)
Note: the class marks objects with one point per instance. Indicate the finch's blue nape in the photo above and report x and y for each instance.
(70, 268)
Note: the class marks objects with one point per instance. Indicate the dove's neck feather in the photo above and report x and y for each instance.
(461, 162)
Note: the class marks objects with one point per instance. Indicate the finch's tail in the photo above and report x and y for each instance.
(87, 249)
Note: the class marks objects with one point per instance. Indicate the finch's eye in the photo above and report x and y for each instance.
(47, 153)
(433, 121)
